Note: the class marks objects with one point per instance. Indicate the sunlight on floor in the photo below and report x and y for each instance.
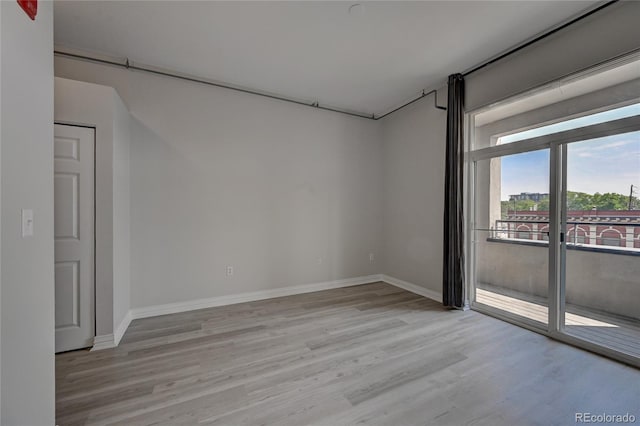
(532, 310)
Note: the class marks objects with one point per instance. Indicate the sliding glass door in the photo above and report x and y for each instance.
(511, 235)
(601, 221)
(555, 230)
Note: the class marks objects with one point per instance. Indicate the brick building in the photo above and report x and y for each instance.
(616, 228)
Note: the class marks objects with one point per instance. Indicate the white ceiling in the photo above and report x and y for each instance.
(313, 51)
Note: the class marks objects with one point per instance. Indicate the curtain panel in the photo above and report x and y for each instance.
(453, 267)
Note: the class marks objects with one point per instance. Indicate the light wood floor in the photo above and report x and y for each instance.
(371, 354)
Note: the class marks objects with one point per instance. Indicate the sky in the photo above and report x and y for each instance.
(608, 164)
(587, 120)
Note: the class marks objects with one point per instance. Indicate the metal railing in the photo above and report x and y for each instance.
(618, 235)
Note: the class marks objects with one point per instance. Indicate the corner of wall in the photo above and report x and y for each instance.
(413, 196)
(27, 383)
(121, 215)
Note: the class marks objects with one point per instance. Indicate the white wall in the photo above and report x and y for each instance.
(413, 182)
(100, 107)
(121, 213)
(26, 139)
(286, 194)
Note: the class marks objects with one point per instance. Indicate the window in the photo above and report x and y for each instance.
(554, 217)
(587, 120)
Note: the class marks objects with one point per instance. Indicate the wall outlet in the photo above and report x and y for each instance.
(371, 258)
(229, 271)
(320, 260)
(27, 223)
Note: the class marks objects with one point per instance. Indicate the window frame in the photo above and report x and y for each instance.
(557, 144)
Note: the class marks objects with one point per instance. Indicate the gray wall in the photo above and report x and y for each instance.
(600, 37)
(100, 107)
(26, 140)
(599, 281)
(286, 195)
(413, 188)
(121, 212)
(558, 109)
(414, 138)
(257, 184)
(221, 178)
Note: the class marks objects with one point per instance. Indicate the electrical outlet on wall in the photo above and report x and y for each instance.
(27, 223)
(372, 258)
(229, 271)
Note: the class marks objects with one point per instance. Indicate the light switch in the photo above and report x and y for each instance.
(27, 223)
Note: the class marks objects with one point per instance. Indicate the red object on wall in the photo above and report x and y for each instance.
(30, 7)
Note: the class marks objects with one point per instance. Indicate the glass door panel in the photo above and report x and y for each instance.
(511, 235)
(601, 216)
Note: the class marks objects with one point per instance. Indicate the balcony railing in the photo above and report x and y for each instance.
(595, 234)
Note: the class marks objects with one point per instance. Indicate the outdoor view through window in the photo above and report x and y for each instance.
(603, 186)
(598, 266)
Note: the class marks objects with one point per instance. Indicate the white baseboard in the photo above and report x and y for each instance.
(191, 305)
(108, 341)
(122, 328)
(112, 340)
(105, 341)
(430, 294)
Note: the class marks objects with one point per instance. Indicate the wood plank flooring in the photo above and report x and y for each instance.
(370, 354)
(622, 334)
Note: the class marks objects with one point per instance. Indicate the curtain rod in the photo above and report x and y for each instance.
(508, 53)
(132, 66)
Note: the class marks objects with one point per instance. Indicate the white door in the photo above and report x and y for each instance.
(74, 236)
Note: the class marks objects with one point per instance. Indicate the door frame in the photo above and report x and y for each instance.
(557, 144)
(95, 212)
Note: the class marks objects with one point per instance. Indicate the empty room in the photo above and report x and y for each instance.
(319, 213)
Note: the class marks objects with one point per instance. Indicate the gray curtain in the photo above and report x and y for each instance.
(453, 269)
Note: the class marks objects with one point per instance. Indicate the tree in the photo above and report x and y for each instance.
(576, 201)
(521, 205)
(607, 201)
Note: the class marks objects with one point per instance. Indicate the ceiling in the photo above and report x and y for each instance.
(368, 62)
